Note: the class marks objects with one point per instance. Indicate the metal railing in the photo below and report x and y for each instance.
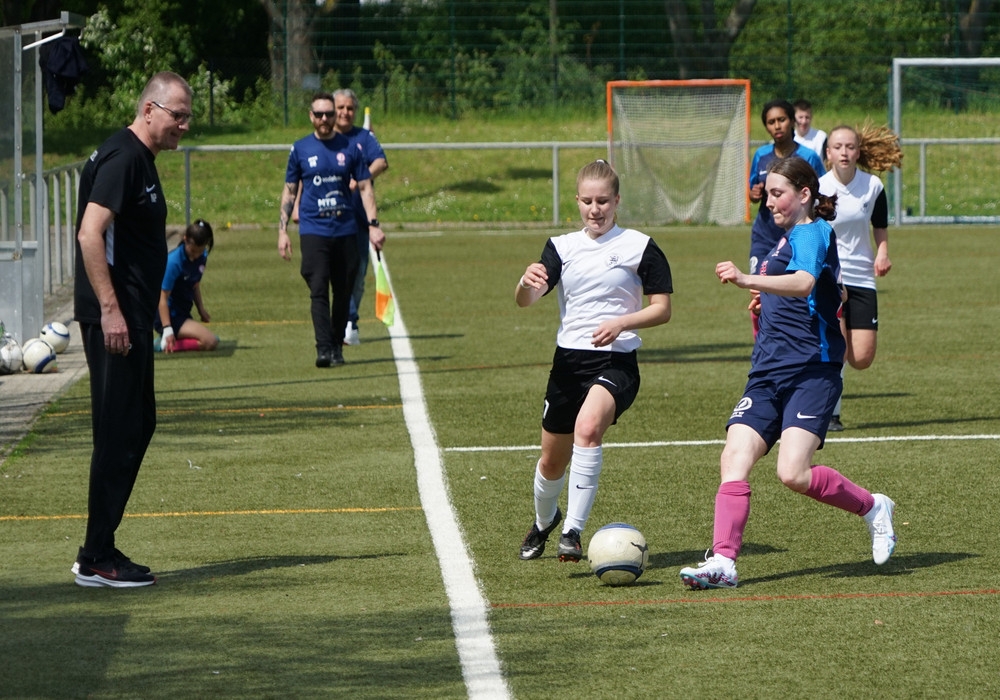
(60, 186)
(904, 215)
(554, 146)
(59, 219)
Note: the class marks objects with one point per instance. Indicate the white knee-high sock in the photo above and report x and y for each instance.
(584, 472)
(546, 498)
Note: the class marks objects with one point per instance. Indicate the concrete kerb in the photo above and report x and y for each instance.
(23, 396)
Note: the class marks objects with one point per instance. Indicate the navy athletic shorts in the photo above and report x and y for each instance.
(804, 399)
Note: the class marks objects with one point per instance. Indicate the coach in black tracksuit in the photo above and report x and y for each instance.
(121, 255)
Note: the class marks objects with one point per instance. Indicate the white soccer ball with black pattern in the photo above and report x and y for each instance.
(39, 357)
(57, 335)
(618, 554)
(11, 359)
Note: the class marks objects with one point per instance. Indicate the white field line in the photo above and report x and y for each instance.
(476, 651)
(699, 443)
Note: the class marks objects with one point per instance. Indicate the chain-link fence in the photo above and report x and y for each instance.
(450, 57)
(259, 62)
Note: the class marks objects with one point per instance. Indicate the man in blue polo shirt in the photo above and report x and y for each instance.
(324, 163)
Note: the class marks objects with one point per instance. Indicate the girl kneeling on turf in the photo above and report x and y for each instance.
(181, 289)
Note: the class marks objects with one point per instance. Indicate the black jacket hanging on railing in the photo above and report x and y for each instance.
(63, 63)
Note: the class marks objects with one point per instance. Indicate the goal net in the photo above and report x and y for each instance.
(681, 149)
(944, 112)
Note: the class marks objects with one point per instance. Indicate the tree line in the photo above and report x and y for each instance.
(449, 57)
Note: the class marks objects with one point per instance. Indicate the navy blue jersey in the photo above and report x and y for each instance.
(326, 167)
(180, 279)
(765, 233)
(800, 331)
(371, 150)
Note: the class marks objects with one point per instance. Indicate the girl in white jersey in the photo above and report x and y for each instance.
(602, 273)
(861, 203)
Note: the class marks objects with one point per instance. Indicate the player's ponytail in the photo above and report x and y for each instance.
(825, 207)
(200, 233)
(879, 148)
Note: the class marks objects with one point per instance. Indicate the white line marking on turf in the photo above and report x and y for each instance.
(700, 443)
(476, 651)
(915, 438)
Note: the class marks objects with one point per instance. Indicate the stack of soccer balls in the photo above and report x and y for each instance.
(618, 554)
(38, 355)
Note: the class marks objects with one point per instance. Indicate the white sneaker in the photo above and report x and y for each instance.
(879, 520)
(715, 572)
(351, 336)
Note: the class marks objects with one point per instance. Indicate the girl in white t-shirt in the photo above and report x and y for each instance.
(600, 274)
(862, 215)
(805, 133)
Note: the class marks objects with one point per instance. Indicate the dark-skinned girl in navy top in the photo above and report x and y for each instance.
(778, 117)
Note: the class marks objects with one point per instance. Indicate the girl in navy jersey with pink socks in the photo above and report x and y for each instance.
(794, 379)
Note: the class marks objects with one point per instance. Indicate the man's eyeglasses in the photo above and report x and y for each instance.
(328, 115)
(179, 117)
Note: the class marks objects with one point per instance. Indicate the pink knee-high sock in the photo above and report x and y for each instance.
(186, 344)
(833, 488)
(732, 509)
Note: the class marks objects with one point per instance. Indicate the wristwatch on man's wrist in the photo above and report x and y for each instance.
(373, 222)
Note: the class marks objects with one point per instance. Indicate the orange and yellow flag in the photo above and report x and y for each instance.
(385, 307)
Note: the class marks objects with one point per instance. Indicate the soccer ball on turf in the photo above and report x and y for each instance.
(618, 554)
(57, 335)
(10, 355)
(39, 357)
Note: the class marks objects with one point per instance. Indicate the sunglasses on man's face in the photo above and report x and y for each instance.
(329, 115)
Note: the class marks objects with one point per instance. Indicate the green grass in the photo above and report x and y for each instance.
(278, 503)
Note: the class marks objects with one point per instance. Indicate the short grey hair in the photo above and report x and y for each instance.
(347, 92)
(158, 86)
